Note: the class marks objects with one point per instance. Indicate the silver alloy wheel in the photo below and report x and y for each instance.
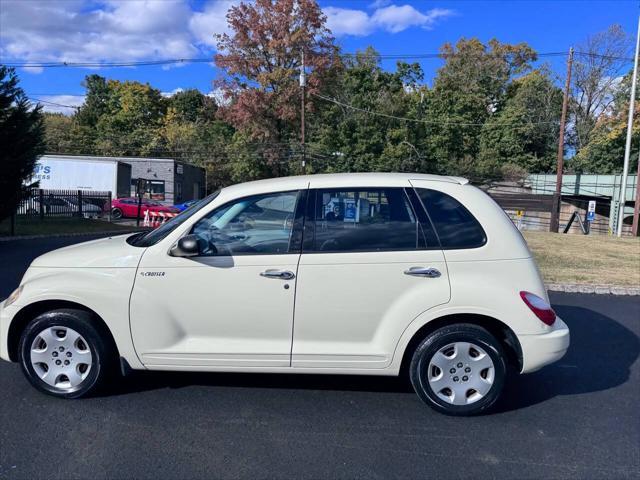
(461, 373)
(61, 357)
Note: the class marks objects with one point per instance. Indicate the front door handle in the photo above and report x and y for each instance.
(423, 272)
(281, 274)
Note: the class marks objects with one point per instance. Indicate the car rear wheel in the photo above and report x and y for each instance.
(63, 354)
(459, 370)
(116, 213)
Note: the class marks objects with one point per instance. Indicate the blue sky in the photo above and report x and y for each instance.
(133, 30)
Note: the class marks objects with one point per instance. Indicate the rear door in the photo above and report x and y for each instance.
(370, 265)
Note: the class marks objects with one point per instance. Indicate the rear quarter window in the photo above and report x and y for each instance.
(456, 227)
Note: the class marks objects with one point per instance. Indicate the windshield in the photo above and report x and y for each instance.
(154, 236)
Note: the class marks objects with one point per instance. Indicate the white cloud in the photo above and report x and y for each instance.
(379, 3)
(117, 30)
(395, 18)
(390, 18)
(344, 21)
(172, 92)
(212, 20)
(218, 95)
(112, 30)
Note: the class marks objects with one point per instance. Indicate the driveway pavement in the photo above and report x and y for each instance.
(578, 418)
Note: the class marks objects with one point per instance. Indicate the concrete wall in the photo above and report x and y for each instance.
(191, 183)
(183, 182)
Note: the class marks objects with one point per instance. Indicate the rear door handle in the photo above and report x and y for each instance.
(423, 272)
(281, 274)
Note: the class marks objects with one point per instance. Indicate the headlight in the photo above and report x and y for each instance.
(13, 297)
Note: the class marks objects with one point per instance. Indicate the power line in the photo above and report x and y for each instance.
(40, 94)
(175, 61)
(372, 112)
(52, 103)
(429, 122)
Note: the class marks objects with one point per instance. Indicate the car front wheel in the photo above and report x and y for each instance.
(63, 354)
(459, 370)
(116, 213)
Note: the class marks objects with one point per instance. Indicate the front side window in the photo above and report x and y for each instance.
(360, 220)
(256, 225)
(455, 225)
(147, 239)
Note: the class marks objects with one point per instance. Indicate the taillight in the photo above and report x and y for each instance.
(539, 307)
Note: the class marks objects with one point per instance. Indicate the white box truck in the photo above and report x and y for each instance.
(76, 172)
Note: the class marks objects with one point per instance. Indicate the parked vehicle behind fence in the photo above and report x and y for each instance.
(369, 274)
(128, 208)
(64, 203)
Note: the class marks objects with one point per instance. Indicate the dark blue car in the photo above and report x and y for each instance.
(183, 206)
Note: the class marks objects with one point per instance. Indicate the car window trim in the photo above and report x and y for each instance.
(423, 217)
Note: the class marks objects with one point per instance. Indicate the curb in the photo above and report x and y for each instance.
(75, 234)
(593, 289)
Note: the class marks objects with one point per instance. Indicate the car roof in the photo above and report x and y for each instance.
(329, 180)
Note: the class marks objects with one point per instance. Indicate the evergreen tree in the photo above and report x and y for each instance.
(21, 141)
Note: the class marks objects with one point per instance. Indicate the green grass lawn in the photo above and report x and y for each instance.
(52, 225)
(586, 259)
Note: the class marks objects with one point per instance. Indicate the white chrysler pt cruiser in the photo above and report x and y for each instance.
(376, 274)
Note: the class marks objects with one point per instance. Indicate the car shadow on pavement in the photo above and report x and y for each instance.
(143, 381)
(599, 358)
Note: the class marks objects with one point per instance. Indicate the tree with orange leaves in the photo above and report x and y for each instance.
(261, 60)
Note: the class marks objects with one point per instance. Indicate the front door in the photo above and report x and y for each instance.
(370, 265)
(232, 306)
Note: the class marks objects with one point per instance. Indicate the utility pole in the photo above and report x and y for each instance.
(627, 147)
(303, 84)
(636, 209)
(557, 196)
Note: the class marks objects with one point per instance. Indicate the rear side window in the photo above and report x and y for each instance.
(361, 220)
(454, 224)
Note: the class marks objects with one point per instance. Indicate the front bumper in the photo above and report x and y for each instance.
(542, 349)
(6, 315)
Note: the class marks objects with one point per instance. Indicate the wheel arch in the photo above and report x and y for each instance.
(31, 311)
(503, 333)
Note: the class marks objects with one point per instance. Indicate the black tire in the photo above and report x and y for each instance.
(439, 340)
(116, 213)
(82, 322)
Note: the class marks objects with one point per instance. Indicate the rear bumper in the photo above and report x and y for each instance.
(545, 348)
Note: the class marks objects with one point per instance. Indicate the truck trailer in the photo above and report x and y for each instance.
(71, 172)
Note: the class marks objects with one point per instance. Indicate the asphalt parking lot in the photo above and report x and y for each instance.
(578, 418)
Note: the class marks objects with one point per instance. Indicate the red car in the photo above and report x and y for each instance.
(128, 207)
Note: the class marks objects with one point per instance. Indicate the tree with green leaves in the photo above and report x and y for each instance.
(353, 128)
(191, 131)
(132, 115)
(605, 151)
(524, 131)
(22, 140)
(468, 90)
(97, 101)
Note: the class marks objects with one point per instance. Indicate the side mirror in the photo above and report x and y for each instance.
(187, 246)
